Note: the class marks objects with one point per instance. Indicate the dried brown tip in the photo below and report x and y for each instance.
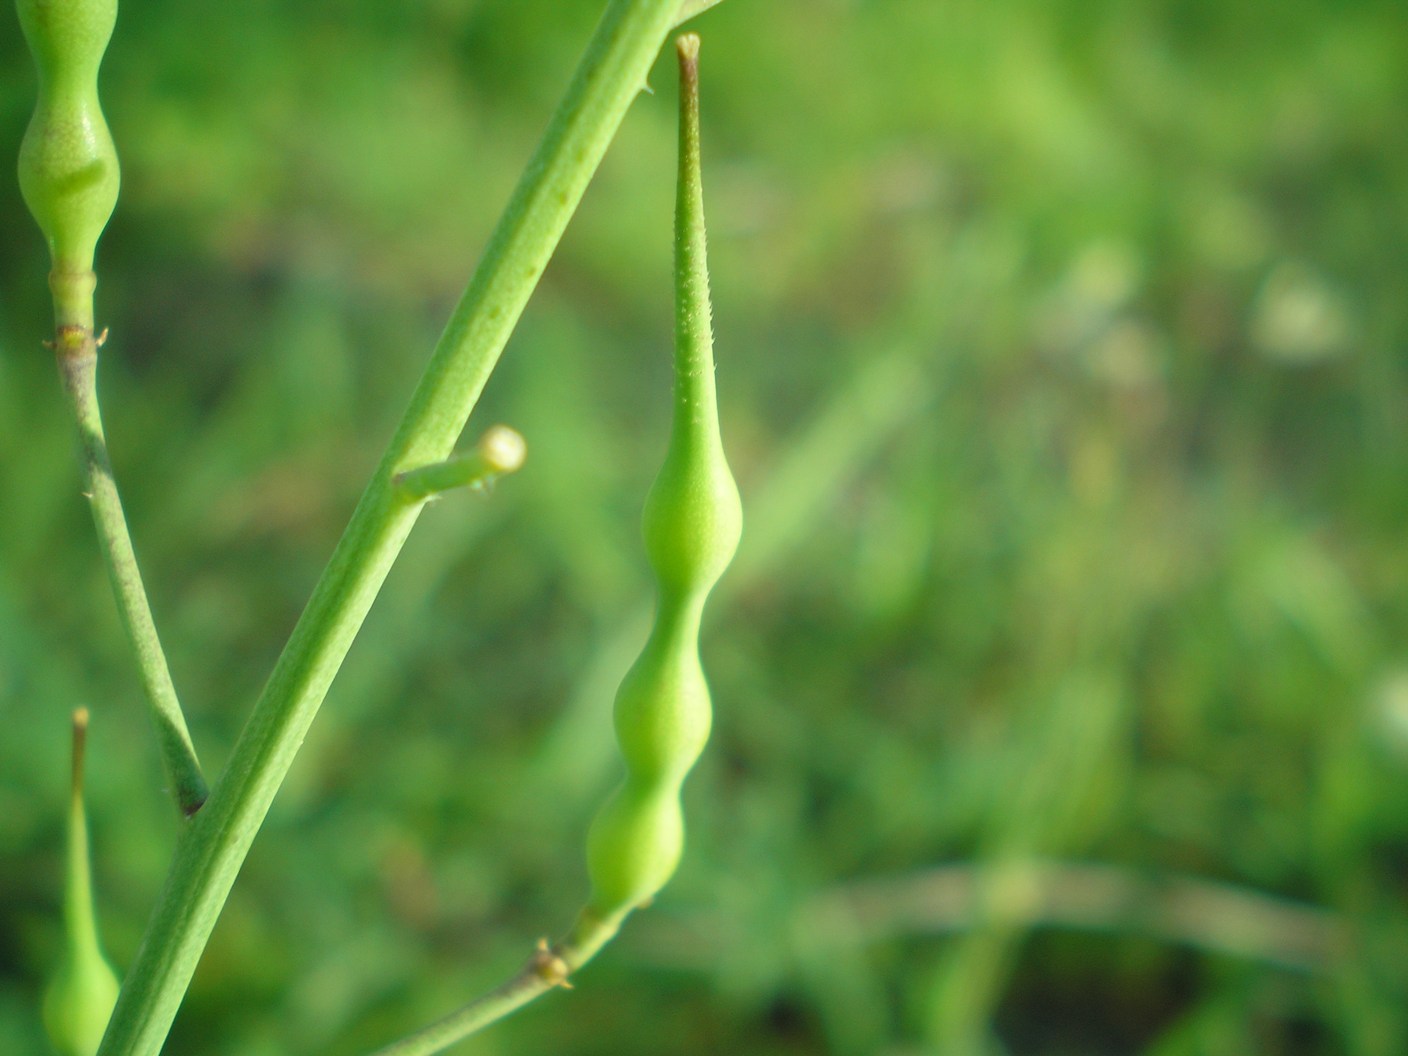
(80, 740)
(549, 967)
(687, 47)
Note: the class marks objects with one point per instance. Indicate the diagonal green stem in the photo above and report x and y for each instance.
(78, 361)
(210, 853)
(547, 969)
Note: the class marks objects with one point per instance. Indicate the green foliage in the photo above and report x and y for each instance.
(1064, 385)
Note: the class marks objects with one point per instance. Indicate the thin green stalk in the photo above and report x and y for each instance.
(211, 851)
(548, 969)
(77, 352)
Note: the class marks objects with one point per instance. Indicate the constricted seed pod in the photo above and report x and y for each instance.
(634, 846)
(79, 1003)
(68, 168)
(83, 990)
(692, 523)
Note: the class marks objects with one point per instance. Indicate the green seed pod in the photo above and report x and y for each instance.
(692, 522)
(634, 846)
(79, 1003)
(662, 713)
(68, 166)
(693, 517)
(80, 997)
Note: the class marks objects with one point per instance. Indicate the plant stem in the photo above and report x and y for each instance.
(77, 352)
(548, 969)
(690, 8)
(211, 851)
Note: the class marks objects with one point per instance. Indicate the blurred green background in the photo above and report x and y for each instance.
(1061, 681)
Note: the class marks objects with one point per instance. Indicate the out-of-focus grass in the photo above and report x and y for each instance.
(1061, 351)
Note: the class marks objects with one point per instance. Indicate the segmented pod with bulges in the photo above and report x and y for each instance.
(68, 168)
(692, 523)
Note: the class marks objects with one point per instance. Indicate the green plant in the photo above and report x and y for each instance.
(69, 175)
(1062, 699)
